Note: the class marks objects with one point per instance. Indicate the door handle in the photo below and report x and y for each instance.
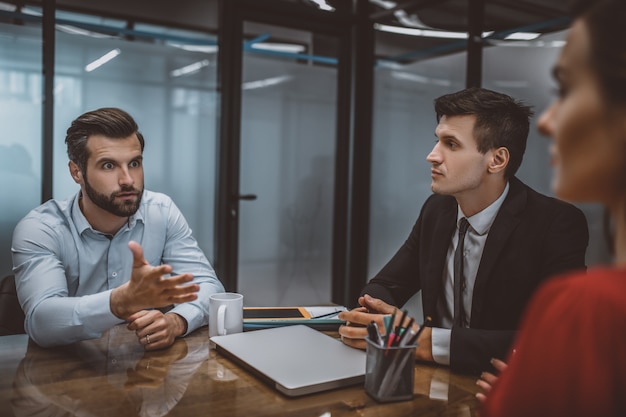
(247, 197)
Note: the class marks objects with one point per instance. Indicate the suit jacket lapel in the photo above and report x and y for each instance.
(504, 224)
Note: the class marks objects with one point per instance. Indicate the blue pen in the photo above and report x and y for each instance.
(387, 320)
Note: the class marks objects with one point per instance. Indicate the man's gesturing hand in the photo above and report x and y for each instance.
(147, 288)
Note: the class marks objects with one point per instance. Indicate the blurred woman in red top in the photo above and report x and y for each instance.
(570, 354)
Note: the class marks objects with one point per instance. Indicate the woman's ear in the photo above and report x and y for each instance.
(499, 160)
(75, 172)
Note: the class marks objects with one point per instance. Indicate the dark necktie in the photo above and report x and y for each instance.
(459, 279)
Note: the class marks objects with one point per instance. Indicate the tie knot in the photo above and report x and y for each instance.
(463, 225)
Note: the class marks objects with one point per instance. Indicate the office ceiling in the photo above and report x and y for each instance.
(502, 17)
(452, 15)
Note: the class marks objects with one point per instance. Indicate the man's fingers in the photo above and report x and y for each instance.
(181, 293)
(131, 319)
(179, 299)
(355, 342)
(180, 279)
(137, 250)
(377, 305)
(352, 332)
(359, 317)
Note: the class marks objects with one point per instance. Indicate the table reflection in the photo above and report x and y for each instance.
(114, 376)
(117, 377)
(435, 382)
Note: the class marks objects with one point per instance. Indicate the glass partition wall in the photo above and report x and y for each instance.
(165, 78)
(287, 163)
(20, 129)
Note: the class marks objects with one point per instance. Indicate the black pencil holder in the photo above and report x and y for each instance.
(389, 372)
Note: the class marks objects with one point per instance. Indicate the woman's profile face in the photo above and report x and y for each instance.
(588, 134)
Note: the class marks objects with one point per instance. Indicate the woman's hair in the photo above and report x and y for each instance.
(604, 20)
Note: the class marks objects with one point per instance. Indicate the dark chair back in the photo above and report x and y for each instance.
(11, 314)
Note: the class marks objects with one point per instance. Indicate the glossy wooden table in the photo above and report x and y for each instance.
(113, 376)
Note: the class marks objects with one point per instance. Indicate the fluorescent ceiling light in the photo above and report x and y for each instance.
(411, 21)
(522, 36)
(279, 47)
(407, 76)
(207, 49)
(527, 44)
(73, 30)
(190, 69)
(384, 4)
(252, 85)
(102, 60)
(322, 5)
(427, 33)
(8, 7)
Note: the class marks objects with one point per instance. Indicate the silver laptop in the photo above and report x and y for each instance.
(296, 360)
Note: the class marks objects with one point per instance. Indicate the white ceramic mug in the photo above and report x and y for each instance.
(225, 313)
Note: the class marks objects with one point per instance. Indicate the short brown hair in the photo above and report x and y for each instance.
(108, 121)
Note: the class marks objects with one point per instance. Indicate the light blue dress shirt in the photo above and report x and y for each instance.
(65, 270)
(475, 240)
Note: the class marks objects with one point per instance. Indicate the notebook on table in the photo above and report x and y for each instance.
(317, 317)
(296, 360)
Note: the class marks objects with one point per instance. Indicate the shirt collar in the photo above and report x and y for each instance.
(82, 224)
(481, 222)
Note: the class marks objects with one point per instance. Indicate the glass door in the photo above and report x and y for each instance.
(287, 170)
(294, 86)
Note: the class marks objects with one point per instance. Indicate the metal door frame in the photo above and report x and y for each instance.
(354, 31)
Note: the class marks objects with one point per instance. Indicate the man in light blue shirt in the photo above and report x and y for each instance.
(114, 252)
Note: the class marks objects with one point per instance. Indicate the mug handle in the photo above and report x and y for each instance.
(221, 310)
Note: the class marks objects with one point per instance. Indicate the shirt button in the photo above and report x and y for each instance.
(114, 274)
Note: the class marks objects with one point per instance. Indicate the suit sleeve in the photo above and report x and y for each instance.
(563, 248)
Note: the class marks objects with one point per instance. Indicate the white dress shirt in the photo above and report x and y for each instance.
(475, 239)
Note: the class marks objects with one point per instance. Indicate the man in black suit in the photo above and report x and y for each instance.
(516, 238)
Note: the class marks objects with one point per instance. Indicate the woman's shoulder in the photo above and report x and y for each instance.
(597, 285)
(595, 277)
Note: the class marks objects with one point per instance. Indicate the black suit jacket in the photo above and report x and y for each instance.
(532, 238)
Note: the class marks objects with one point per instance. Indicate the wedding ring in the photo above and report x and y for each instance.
(148, 338)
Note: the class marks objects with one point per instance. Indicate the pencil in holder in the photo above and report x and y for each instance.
(389, 372)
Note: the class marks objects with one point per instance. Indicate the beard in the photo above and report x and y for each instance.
(107, 202)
